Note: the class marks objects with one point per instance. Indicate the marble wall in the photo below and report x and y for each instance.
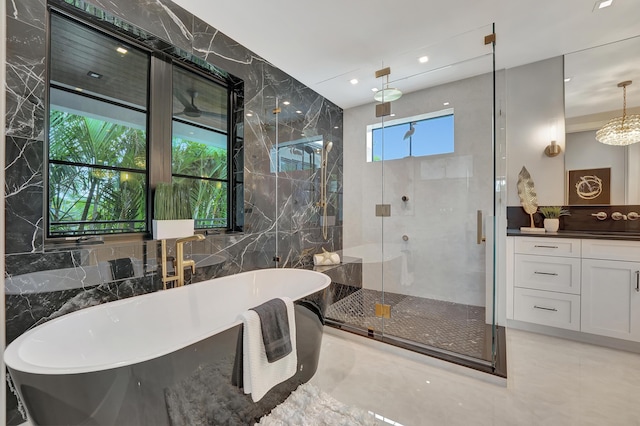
(45, 280)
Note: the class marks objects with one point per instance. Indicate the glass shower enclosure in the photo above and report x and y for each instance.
(421, 191)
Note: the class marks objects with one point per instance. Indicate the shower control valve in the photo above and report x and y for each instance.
(632, 216)
(405, 198)
(599, 215)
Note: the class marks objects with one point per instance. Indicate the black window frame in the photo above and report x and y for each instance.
(159, 115)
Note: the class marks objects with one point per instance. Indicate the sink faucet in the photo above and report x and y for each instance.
(180, 262)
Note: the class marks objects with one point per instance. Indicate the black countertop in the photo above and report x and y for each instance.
(596, 235)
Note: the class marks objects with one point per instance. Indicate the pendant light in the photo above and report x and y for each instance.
(387, 94)
(623, 130)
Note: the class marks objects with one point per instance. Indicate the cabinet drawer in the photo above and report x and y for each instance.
(567, 247)
(547, 308)
(611, 250)
(548, 273)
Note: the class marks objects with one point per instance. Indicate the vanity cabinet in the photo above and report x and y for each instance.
(586, 285)
(611, 289)
(547, 281)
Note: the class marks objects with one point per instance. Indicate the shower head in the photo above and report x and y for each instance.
(327, 147)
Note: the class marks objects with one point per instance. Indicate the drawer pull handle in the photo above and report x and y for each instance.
(553, 247)
(546, 273)
(638, 281)
(545, 309)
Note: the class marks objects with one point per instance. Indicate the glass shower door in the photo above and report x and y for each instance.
(437, 170)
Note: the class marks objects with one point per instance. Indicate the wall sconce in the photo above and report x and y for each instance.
(552, 149)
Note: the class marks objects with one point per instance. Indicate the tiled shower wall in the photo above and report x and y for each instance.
(279, 208)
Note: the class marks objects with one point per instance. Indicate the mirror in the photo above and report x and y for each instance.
(302, 154)
(592, 98)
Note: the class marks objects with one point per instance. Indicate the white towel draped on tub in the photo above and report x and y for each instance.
(258, 374)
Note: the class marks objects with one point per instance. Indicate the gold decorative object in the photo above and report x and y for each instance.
(527, 194)
(623, 130)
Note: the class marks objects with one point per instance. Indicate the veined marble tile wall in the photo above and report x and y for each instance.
(286, 217)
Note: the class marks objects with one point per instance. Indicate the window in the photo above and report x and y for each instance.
(426, 134)
(105, 151)
(97, 133)
(199, 151)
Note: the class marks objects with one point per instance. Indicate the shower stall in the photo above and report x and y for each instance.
(422, 193)
(409, 192)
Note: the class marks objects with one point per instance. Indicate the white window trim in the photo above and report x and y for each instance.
(385, 123)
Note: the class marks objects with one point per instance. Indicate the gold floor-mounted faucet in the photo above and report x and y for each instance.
(180, 262)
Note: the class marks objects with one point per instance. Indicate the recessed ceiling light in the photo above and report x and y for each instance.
(299, 112)
(568, 79)
(121, 50)
(286, 102)
(249, 114)
(445, 103)
(79, 89)
(336, 127)
(375, 89)
(601, 4)
(423, 59)
(94, 74)
(392, 115)
(353, 81)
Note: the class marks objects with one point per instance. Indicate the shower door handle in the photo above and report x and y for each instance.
(480, 238)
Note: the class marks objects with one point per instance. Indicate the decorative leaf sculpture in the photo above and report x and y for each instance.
(527, 193)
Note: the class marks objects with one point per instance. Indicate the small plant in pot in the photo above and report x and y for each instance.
(552, 217)
(173, 217)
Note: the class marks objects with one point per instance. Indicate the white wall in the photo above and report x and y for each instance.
(445, 192)
(585, 152)
(535, 107)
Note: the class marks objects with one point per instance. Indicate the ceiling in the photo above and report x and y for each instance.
(325, 44)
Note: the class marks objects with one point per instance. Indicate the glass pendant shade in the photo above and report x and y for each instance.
(623, 130)
(388, 94)
(620, 131)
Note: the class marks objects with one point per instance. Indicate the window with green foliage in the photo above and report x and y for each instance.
(103, 159)
(199, 149)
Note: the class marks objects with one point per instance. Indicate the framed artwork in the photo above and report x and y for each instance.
(589, 186)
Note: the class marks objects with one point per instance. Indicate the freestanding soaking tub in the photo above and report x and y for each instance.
(162, 358)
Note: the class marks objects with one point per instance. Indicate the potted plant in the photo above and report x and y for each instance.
(552, 217)
(173, 217)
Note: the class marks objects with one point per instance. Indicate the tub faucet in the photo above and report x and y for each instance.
(180, 262)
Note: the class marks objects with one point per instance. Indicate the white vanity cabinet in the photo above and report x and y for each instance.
(586, 285)
(546, 281)
(611, 289)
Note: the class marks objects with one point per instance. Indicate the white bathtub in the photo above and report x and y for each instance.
(128, 345)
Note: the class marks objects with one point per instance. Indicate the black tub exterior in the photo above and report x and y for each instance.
(191, 385)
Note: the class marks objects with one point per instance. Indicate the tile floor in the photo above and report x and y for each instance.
(550, 381)
(446, 325)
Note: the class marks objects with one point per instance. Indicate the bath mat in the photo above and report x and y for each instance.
(308, 405)
(207, 398)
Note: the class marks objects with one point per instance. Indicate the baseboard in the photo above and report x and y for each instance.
(578, 336)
